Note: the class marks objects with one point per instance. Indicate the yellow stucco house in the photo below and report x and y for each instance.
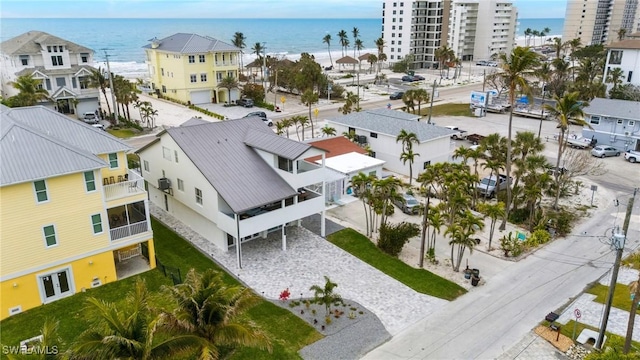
(72, 215)
(189, 67)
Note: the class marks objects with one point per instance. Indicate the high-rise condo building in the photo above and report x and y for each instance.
(599, 21)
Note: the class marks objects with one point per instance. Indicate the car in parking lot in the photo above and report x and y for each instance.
(409, 204)
(90, 118)
(407, 78)
(481, 63)
(492, 63)
(418, 77)
(490, 186)
(246, 102)
(602, 151)
(262, 115)
(396, 95)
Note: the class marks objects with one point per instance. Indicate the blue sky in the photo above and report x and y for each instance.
(230, 9)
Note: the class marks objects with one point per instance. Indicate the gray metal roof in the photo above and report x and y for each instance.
(391, 122)
(27, 154)
(281, 146)
(74, 69)
(621, 109)
(190, 44)
(73, 132)
(237, 172)
(194, 121)
(29, 44)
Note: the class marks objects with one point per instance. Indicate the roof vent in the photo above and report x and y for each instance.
(155, 43)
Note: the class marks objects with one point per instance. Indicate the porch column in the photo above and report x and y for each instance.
(284, 237)
(147, 214)
(322, 224)
(238, 249)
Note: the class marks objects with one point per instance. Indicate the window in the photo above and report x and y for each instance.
(61, 81)
(203, 77)
(192, 59)
(426, 164)
(56, 60)
(193, 78)
(49, 235)
(40, 188)
(145, 165)
(373, 135)
(372, 154)
(164, 89)
(73, 82)
(201, 58)
(198, 196)
(619, 121)
(84, 82)
(175, 155)
(113, 161)
(595, 120)
(180, 184)
(615, 57)
(162, 71)
(166, 153)
(285, 164)
(89, 181)
(48, 48)
(629, 76)
(84, 57)
(96, 222)
(631, 123)
(61, 48)
(48, 83)
(24, 59)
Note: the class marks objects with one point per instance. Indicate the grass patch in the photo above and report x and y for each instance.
(447, 110)
(621, 297)
(420, 280)
(288, 332)
(122, 133)
(567, 330)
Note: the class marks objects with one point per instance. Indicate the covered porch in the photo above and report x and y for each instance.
(128, 220)
(132, 260)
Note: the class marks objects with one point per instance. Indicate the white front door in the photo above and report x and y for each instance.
(55, 285)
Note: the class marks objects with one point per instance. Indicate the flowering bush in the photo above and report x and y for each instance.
(284, 295)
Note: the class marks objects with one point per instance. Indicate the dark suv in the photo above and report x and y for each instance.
(262, 115)
(245, 102)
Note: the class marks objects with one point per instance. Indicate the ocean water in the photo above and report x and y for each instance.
(123, 39)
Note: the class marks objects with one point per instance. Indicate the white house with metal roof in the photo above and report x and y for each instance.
(625, 55)
(234, 179)
(189, 67)
(613, 122)
(63, 67)
(379, 129)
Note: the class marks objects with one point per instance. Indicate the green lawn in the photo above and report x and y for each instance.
(447, 110)
(621, 297)
(122, 133)
(567, 330)
(288, 332)
(420, 280)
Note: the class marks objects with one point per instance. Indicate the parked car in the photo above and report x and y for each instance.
(262, 115)
(90, 118)
(418, 77)
(459, 133)
(492, 63)
(246, 102)
(489, 186)
(396, 95)
(408, 204)
(632, 156)
(328, 67)
(602, 151)
(407, 78)
(481, 63)
(99, 126)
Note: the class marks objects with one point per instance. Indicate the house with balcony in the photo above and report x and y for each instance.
(189, 67)
(63, 67)
(73, 215)
(378, 129)
(625, 55)
(613, 122)
(234, 181)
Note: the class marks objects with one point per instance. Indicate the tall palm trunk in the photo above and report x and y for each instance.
(106, 99)
(366, 217)
(503, 225)
(561, 145)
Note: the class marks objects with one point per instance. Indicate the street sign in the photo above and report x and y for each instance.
(283, 99)
(315, 112)
(577, 313)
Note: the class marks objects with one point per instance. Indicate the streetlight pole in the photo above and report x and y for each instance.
(433, 92)
(113, 93)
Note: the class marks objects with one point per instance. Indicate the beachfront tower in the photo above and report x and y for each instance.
(598, 21)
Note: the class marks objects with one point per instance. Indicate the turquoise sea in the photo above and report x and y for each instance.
(124, 38)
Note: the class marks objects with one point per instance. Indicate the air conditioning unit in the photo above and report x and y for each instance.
(362, 139)
(164, 184)
(627, 133)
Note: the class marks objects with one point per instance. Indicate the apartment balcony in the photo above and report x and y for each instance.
(128, 220)
(226, 63)
(121, 186)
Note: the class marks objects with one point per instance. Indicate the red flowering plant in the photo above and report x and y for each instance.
(284, 295)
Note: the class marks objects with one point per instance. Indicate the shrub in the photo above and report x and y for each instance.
(519, 216)
(538, 237)
(254, 91)
(511, 246)
(562, 221)
(393, 237)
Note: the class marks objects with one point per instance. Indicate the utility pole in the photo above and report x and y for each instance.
(433, 92)
(113, 93)
(636, 296)
(617, 240)
(542, 111)
(484, 78)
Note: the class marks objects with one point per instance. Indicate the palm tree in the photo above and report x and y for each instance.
(48, 342)
(567, 111)
(328, 131)
(358, 45)
(286, 124)
(443, 54)
(460, 234)
(515, 67)
(309, 98)
(380, 46)
(436, 221)
(128, 331)
(494, 212)
(361, 184)
(410, 156)
(407, 138)
(212, 311)
(301, 122)
(342, 37)
(527, 36)
(409, 100)
(239, 42)
(574, 45)
(228, 82)
(622, 32)
(97, 80)
(327, 40)
(386, 190)
(30, 90)
(350, 104)
(615, 77)
(421, 96)
(558, 46)
(325, 295)
(356, 33)
(524, 145)
(258, 50)
(372, 59)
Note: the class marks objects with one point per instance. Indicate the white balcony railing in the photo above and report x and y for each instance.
(133, 186)
(129, 230)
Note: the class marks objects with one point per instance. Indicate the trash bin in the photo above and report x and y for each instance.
(475, 280)
(475, 272)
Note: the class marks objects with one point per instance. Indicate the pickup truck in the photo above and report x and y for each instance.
(459, 133)
(632, 156)
(489, 186)
(475, 138)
